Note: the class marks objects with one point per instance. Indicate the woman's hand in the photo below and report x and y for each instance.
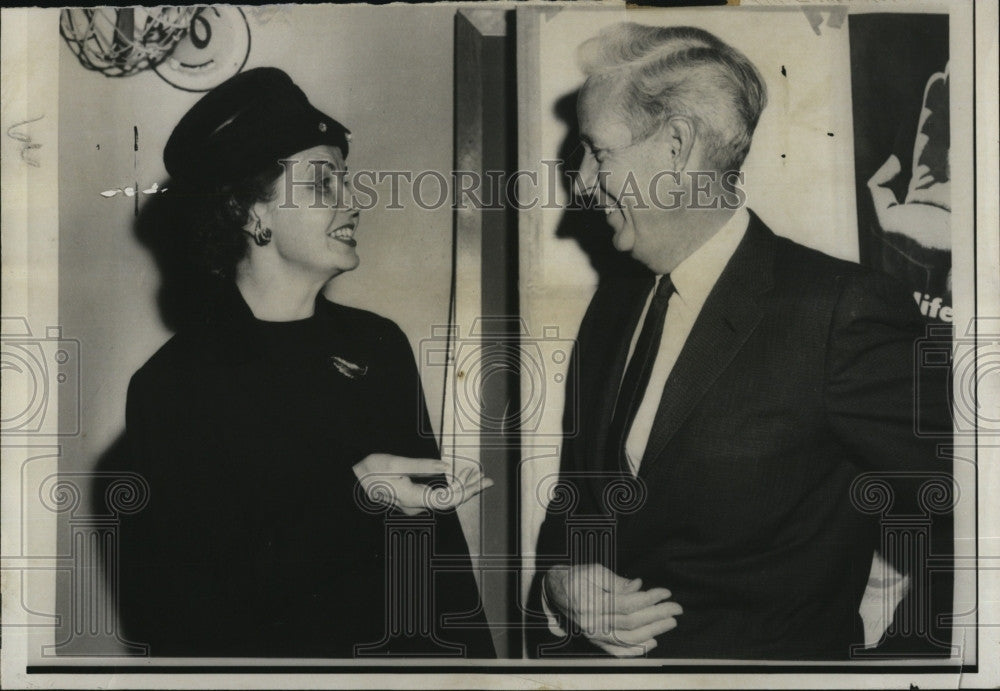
(387, 480)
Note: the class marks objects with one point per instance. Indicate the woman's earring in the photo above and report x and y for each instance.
(261, 236)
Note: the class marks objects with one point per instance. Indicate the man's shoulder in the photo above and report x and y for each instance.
(795, 261)
(807, 276)
(804, 270)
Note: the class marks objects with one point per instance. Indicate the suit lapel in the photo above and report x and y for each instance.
(728, 317)
(615, 325)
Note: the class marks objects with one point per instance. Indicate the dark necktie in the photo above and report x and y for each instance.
(637, 373)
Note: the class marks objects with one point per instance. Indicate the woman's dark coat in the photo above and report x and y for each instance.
(253, 542)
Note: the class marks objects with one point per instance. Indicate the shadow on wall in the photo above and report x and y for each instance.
(162, 227)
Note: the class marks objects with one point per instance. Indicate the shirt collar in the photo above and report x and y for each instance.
(695, 277)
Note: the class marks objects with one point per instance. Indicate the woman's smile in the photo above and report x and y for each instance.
(345, 233)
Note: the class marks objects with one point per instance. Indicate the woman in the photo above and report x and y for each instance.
(272, 430)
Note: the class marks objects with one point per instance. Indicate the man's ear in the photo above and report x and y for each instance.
(678, 134)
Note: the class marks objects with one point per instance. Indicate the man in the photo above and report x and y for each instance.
(744, 386)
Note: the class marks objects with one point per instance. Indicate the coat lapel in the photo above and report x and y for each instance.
(614, 327)
(728, 317)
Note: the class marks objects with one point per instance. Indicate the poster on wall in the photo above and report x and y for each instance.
(902, 135)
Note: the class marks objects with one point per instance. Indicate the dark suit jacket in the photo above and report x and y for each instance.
(253, 542)
(797, 378)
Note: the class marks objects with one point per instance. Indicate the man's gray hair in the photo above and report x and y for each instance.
(682, 70)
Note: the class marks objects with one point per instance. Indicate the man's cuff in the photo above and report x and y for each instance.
(551, 616)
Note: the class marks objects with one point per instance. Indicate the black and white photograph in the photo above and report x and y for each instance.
(500, 345)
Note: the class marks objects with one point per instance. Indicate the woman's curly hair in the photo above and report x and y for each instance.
(216, 219)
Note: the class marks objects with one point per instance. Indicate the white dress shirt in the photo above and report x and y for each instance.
(693, 280)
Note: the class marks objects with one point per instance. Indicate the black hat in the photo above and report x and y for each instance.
(246, 124)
